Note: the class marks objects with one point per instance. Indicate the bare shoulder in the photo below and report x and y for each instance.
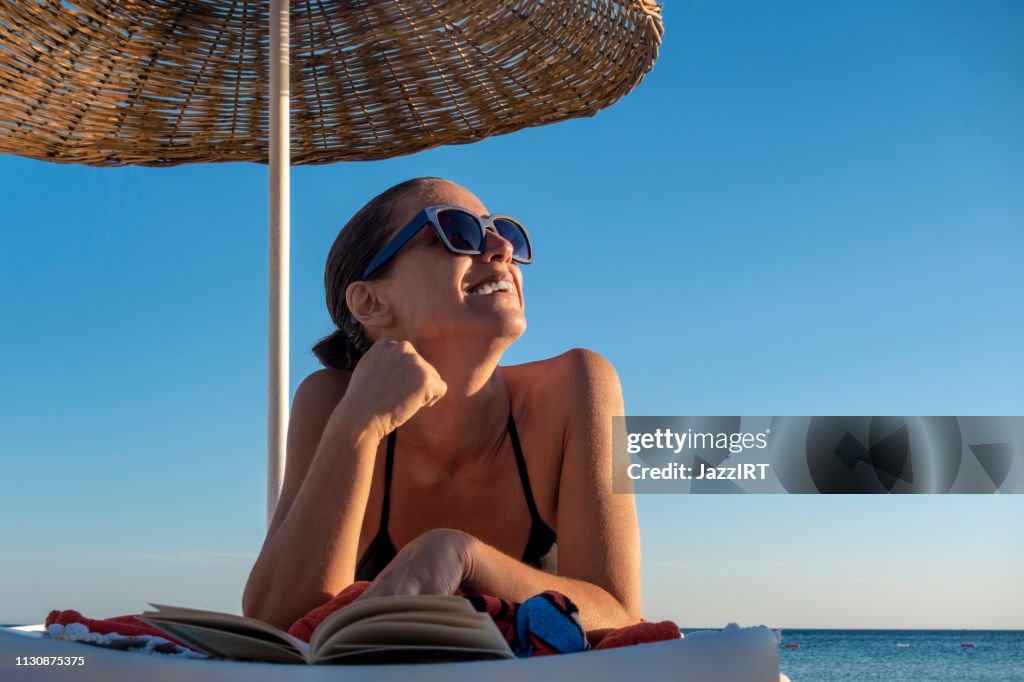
(314, 401)
(557, 403)
(574, 391)
(322, 389)
(578, 372)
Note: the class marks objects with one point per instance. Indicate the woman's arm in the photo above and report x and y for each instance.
(309, 551)
(600, 528)
(309, 554)
(598, 537)
(490, 571)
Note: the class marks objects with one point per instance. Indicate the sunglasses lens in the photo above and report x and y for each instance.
(461, 230)
(516, 236)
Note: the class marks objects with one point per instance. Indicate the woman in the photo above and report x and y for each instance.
(416, 461)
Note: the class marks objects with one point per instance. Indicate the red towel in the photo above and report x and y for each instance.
(303, 627)
(501, 610)
(129, 626)
(641, 633)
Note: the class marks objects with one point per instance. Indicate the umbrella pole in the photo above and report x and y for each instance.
(280, 156)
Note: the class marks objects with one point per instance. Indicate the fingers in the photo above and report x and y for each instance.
(438, 393)
(434, 387)
(391, 383)
(390, 583)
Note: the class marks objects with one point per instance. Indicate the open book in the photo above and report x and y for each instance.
(408, 629)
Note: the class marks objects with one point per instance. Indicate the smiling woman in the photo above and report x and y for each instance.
(418, 462)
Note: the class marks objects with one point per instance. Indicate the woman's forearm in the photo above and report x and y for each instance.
(492, 572)
(312, 555)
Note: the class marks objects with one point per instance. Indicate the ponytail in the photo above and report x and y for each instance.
(337, 351)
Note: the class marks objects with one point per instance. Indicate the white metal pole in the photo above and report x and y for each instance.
(280, 157)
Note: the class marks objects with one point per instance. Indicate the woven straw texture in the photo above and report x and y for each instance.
(165, 82)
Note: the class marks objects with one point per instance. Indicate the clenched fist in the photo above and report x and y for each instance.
(390, 384)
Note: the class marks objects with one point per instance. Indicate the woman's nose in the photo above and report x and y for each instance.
(496, 247)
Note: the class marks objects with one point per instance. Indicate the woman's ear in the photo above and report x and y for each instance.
(367, 306)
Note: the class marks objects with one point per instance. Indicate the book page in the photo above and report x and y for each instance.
(452, 619)
(251, 627)
(465, 620)
(409, 627)
(418, 654)
(225, 644)
(481, 636)
(383, 605)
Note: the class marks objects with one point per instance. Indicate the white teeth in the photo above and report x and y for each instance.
(491, 287)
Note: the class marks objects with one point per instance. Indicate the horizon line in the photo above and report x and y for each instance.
(918, 629)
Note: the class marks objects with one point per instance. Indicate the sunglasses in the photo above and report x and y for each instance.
(461, 231)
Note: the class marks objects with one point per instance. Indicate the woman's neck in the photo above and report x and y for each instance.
(469, 421)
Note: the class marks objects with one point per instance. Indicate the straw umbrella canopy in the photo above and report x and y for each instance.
(167, 82)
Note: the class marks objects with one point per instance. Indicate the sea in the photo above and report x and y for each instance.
(898, 655)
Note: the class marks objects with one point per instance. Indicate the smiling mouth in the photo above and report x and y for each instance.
(488, 288)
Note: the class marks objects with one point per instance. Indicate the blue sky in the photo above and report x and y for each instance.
(804, 209)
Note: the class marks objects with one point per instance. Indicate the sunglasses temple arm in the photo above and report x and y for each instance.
(397, 242)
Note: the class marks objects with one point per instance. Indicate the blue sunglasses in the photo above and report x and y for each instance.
(461, 231)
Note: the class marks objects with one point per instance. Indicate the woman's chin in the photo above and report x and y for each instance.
(505, 322)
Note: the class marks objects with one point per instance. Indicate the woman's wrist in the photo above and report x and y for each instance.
(351, 430)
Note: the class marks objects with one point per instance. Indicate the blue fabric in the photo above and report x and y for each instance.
(546, 624)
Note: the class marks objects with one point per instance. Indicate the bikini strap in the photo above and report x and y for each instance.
(389, 460)
(523, 475)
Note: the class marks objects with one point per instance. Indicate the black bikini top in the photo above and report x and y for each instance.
(381, 550)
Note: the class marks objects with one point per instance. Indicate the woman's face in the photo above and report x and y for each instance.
(433, 292)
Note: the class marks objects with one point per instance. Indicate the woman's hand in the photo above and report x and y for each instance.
(434, 563)
(390, 384)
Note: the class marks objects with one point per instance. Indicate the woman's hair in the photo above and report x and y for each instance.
(359, 241)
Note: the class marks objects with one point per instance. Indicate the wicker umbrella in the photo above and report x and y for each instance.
(166, 82)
